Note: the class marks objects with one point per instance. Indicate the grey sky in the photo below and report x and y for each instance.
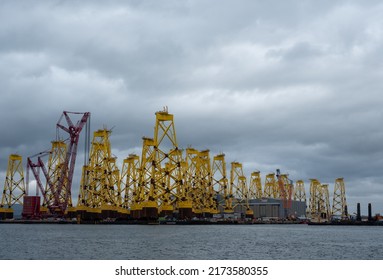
(295, 85)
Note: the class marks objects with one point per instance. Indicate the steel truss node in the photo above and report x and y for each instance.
(339, 204)
(14, 187)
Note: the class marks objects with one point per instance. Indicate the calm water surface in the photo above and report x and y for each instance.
(293, 242)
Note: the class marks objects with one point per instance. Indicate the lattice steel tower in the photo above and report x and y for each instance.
(299, 191)
(191, 182)
(238, 189)
(130, 193)
(270, 190)
(255, 187)
(14, 187)
(56, 163)
(315, 194)
(169, 165)
(220, 184)
(206, 184)
(100, 183)
(339, 204)
(324, 204)
(319, 208)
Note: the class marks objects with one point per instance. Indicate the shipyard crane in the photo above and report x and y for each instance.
(35, 167)
(60, 190)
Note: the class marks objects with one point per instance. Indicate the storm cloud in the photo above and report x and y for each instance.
(295, 85)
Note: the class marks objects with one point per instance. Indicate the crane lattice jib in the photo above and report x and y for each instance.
(67, 171)
(35, 167)
(55, 164)
(57, 191)
(285, 190)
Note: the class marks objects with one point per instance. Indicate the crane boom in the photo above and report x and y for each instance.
(70, 159)
(60, 190)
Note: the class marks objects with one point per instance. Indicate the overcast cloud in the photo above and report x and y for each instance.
(295, 85)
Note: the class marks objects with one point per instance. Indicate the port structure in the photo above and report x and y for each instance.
(104, 175)
(161, 176)
(285, 191)
(129, 177)
(14, 187)
(57, 191)
(147, 179)
(324, 203)
(315, 196)
(299, 191)
(56, 163)
(255, 186)
(173, 193)
(100, 190)
(319, 208)
(171, 188)
(84, 202)
(238, 189)
(192, 180)
(206, 185)
(319, 204)
(221, 185)
(271, 187)
(161, 182)
(339, 204)
(199, 179)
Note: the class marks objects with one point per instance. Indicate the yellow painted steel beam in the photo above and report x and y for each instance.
(339, 204)
(221, 184)
(255, 186)
(14, 185)
(299, 191)
(269, 189)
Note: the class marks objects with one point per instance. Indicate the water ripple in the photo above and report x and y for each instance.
(291, 242)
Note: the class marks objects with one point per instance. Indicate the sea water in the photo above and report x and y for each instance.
(195, 242)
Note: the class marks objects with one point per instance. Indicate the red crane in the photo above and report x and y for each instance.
(62, 190)
(285, 191)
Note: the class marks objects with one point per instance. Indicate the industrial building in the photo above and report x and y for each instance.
(272, 208)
